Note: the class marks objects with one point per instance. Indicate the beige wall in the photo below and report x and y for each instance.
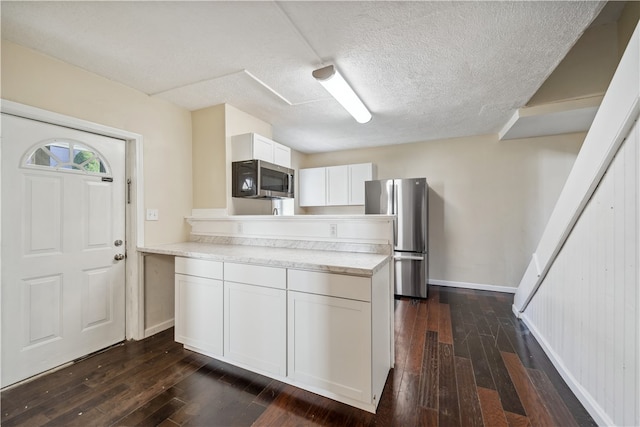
(586, 70)
(489, 199)
(588, 67)
(238, 122)
(40, 81)
(159, 291)
(209, 158)
(37, 80)
(627, 24)
(213, 128)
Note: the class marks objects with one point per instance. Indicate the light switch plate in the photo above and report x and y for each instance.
(152, 215)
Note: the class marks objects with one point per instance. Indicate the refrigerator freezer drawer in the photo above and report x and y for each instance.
(411, 275)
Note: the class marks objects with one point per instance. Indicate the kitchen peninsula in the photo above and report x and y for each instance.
(307, 300)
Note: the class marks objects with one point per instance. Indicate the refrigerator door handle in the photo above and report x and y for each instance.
(408, 257)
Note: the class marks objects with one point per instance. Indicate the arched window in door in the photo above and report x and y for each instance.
(68, 156)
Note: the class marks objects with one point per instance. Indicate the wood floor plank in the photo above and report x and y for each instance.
(16, 400)
(156, 382)
(221, 405)
(448, 405)
(147, 384)
(504, 385)
(492, 412)
(198, 390)
(247, 415)
(53, 407)
(403, 336)
(460, 334)
(408, 400)
(433, 315)
(269, 393)
(422, 308)
(470, 411)
(516, 420)
(536, 411)
(35, 419)
(141, 413)
(427, 417)
(552, 400)
(481, 370)
(533, 357)
(210, 399)
(385, 411)
(444, 295)
(161, 414)
(502, 341)
(286, 410)
(481, 323)
(63, 414)
(430, 375)
(416, 348)
(445, 334)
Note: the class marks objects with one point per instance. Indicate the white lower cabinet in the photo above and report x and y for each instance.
(255, 323)
(198, 305)
(330, 344)
(328, 333)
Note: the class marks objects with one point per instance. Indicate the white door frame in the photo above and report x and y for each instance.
(134, 220)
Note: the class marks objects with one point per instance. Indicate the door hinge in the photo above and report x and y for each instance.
(129, 191)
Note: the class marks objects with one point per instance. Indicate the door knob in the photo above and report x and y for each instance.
(118, 257)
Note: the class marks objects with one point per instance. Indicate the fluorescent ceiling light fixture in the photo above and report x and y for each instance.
(333, 82)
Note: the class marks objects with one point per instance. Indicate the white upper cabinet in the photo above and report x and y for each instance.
(281, 155)
(358, 174)
(342, 186)
(337, 185)
(251, 146)
(312, 187)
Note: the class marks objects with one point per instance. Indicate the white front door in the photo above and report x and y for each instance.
(63, 231)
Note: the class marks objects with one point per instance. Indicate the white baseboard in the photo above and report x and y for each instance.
(477, 286)
(595, 410)
(515, 311)
(158, 328)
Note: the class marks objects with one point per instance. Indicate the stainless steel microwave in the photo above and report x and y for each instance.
(258, 179)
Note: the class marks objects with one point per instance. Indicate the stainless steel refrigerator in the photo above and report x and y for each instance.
(408, 200)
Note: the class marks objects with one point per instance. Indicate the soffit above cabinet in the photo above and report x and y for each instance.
(552, 119)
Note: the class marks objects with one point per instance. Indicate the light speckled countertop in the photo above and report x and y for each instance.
(353, 263)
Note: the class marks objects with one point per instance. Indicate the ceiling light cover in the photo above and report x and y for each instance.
(335, 84)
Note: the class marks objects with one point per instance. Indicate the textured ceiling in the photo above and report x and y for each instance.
(426, 70)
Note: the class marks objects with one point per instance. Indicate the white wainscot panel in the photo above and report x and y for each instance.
(585, 313)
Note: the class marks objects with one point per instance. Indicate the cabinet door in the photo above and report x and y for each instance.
(262, 148)
(281, 155)
(337, 185)
(358, 174)
(198, 313)
(330, 344)
(312, 188)
(256, 327)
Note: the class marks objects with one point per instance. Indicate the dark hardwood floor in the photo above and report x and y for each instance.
(462, 359)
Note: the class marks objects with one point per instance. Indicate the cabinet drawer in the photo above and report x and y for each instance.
(272, 277)
(336, 285)
(199, 267)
